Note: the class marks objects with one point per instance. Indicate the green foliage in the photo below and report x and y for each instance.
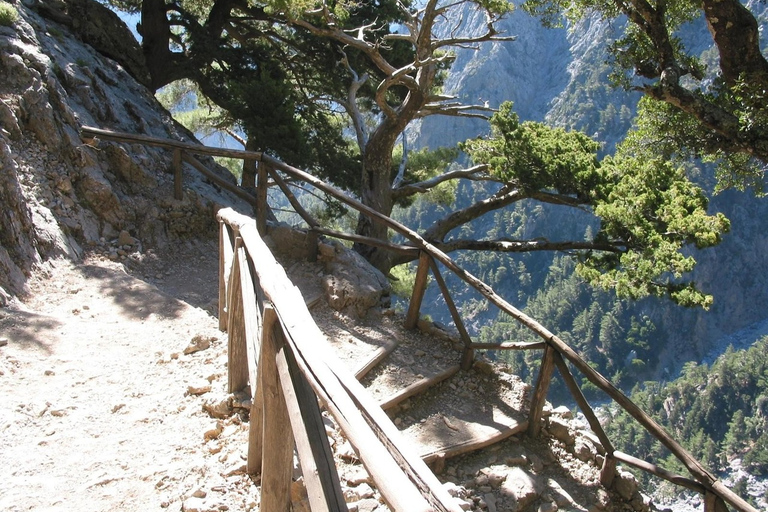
(8, 14)
(403, 279)
(649, 211)
(423, 164)
(717, 412)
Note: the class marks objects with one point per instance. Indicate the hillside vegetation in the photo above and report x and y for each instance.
(719, 412)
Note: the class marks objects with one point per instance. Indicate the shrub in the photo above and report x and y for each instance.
(8, 14)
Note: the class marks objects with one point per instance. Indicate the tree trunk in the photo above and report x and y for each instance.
(376, 192)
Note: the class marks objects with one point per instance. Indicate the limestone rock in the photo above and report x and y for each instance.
(522, 486)
(352, 285)
(560, 429)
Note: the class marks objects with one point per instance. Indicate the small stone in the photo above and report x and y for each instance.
(213, 433)
(218, 407)
(49, 373)
(199, 494)
(521, 486)
(199, 388)
(358, 477)
(559, 429)
(625, 484)
(125, 238)
(237, 469)
(58, 413)
(197, 344)
(563, 411)
(484, 367)
(3, 342)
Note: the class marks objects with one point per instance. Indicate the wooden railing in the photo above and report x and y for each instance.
(341, 394)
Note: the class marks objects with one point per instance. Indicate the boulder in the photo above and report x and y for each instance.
(351, 284)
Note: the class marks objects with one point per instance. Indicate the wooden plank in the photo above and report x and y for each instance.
(90, 132)
(511, 345)
(385, 457)
(218, 180)
(277, 450)
(226, 256)
(540, 392)
(468, 355)
(315, 455)
(659, 472)
(582, 402)
(376, 358)
(251, 317)
(178, 177)
(475, 444)
(288, 193)
(367, 240)
(419, 287)
(237, 349)
(256, 417)
(418, 387)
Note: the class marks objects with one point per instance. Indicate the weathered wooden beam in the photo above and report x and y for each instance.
(376, 358)
(178, 177)
(231, 187)
(660, 472)
(582, 402)
(539, 397)
(237, 348)
(418, 387)
(377, 440)
(288, 193)
(256, 417)
(468, 355)
(475, 443)
(403, 249)
(315, 455)
(226, 256)
(713, 503)
(251, 316)
(277, 448)
(419, 288)
(89, 132)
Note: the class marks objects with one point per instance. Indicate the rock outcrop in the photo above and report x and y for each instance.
(58, 194)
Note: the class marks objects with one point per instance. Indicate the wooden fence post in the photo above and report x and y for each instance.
(468, 354)
(277, 439)
(261, 199)
(540, 392)
(419, 287)
(226, 254)
(178, 178)
(256, 418)
(237, 347)
(315, 455)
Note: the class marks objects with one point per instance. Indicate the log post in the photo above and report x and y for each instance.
(256, 428)
(237, 348)
(261, 198)
(468, 354)
(540, 392)
(419, 287)
(315, 455)
(714, 503)
(178, 179)
(225, 266)
(277, 439)
(608, 471)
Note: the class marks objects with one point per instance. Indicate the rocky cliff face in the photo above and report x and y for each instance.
(59, 195)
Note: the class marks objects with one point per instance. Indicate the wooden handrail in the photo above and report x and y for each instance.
(713, 489)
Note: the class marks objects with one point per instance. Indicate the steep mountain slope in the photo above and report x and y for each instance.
(58, 194)
(559, 75)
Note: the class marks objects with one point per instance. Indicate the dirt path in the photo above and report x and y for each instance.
(95, 412)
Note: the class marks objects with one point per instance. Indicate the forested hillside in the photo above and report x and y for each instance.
(561, 76)
(719, 411)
